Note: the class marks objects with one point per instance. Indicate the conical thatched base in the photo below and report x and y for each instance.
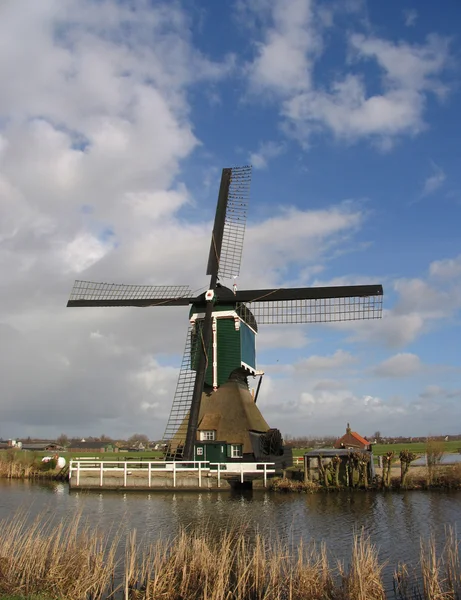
(230, 411)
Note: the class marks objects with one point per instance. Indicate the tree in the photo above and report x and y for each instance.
(377, 436)
(139, 438)
(387, 464)
(406, 457)
(63, 440)
(435, 450)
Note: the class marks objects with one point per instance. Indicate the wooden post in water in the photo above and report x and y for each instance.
(307, 468)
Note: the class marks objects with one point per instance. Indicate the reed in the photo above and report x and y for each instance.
(363, 581)
(16, 464)
(282, 484)
(67, 560)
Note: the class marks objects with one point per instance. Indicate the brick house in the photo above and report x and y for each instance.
(351, 439)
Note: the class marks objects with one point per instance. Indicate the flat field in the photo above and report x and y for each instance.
(381, 449)
(144, 456)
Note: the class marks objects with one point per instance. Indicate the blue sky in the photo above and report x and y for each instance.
(115, 122)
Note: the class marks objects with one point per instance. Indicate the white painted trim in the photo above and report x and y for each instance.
(248, 367)
(214, 354)
(216, 314)
(222, 314)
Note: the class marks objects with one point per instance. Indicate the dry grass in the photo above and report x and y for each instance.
(282, 484)
(69, 561)
(13, 465)
(64, 560)
(16, 464)
(363, 581)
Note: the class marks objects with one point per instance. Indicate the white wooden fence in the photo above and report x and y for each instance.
(80, 467)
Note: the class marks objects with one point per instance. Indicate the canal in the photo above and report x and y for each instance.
(395, 521)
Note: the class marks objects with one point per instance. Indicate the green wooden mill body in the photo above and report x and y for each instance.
(233, 342)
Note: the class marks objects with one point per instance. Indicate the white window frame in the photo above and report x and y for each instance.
(208, 435)
(236, 451)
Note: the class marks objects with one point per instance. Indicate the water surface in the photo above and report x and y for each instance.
(395, 521)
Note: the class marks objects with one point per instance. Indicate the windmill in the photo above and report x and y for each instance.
(214, 415)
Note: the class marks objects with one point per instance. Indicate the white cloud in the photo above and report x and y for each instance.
(434, 181)
(399, 365)
(270, 253)
(422, 305)
(283, 61)
(314, 363)
(94, 124)
(410, 16)
(265, 152)
(448, 269)
(284, 66)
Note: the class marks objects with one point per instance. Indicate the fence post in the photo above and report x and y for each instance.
(149, 473)
(200, 474)
(124, 474)
(241, 472)
(219, 475)
(174, 474)
(101, 473)
(78, 473)
(265, 476)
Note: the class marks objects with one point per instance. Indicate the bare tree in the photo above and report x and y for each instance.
(377, 436)
(63, 440)
(406, 458)
(139, 438)
(435, 450)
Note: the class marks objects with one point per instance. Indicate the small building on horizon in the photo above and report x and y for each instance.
(98, 447)
(352, 439)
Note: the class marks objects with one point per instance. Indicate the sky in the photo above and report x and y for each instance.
(116, 118)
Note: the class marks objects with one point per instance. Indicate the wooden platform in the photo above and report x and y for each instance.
(87, 474)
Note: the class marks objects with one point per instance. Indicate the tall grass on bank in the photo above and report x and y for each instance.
(64, 560)
(67, 560)
(14, 465)
(17, 464)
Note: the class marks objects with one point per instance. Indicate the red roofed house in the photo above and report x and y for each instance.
(351, 439)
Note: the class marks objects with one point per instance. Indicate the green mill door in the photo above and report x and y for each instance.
(215, 452)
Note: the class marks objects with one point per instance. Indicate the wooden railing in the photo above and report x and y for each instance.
(79, 467)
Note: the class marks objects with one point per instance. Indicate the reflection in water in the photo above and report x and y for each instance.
(394, 521)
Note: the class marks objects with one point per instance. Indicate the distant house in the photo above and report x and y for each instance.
(351, 439)
(92, 447)
(41, 447)
(4, 445)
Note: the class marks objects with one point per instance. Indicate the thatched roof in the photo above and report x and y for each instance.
(209, 422)
(232, 410)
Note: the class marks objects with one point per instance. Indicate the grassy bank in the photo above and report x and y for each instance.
(71, 561)
(444, 477)
(23, 464)
(382, 449)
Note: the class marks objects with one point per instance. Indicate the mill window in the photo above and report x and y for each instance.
(207, 436)
(236, 451)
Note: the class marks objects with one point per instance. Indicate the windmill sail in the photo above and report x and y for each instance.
(89, 293)
(312, 305)
(178, 421)
(325, 310)
(230, 222)
(235, 222)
